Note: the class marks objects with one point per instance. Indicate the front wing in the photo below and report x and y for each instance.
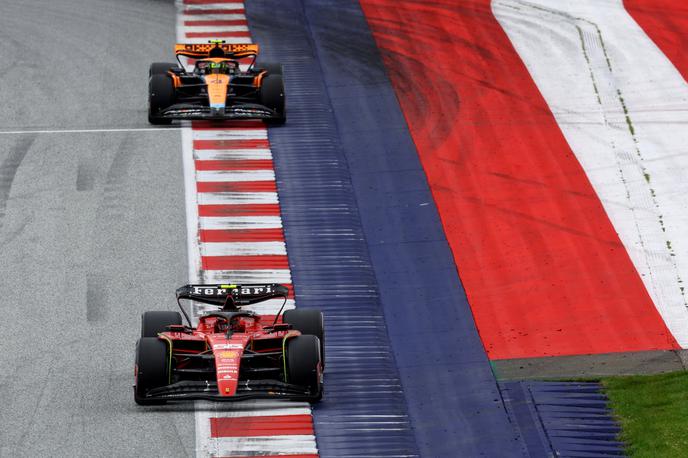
(253, 389)
(237, 111)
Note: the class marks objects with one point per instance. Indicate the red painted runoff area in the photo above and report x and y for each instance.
(666, 23)
(544, 271)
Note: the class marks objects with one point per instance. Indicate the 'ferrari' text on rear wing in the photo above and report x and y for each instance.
(232, 295)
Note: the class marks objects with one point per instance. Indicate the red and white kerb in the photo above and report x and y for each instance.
(235, 236)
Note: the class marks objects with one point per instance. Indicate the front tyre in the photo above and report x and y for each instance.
(272, 96)
(153, 323)
(304, 365)
(308, 321)
(273, 68)
(152, 369)
(161, 68)
(160, 96)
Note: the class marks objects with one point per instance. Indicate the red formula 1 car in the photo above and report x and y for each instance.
(232, 354)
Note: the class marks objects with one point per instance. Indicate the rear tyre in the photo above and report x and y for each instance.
(153, 323)
(304, 363)
(152, 369)
(161, 68)
(273, 68)
(272, 96)
(309, 322)
(160, 96)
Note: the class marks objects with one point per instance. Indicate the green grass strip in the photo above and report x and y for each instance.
(653, 412)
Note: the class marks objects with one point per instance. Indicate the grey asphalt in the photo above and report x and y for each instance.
(92, 227)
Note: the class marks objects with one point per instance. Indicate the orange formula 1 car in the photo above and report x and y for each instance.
(217, 88)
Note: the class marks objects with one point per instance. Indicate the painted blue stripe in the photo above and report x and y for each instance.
(364, 411)
(367, 246)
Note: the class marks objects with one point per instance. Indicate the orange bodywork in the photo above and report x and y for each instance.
(217, 89)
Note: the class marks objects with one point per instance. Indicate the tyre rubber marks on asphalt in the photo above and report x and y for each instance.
(235, 232)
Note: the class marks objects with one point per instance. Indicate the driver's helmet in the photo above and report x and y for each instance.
(218, 67)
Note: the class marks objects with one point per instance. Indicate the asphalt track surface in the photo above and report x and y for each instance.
(92, 227)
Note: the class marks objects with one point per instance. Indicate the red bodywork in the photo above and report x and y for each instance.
(207, 338)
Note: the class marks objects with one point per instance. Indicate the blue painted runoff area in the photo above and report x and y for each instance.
(363, 412)
(406, 371)
(563, 419)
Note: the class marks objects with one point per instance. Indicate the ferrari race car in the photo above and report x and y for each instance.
(217, 88)
(232, 354)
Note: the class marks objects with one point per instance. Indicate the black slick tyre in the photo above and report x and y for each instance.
(161, 68)
(309, 322)
(151, 370)
(304, 364)
(272, 96)
(273, 68)
(160, 96)
(153, 323)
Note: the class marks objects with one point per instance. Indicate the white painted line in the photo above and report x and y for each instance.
(215, 6)
(270, 307)
(89, 131)
(216, 198)
(247, 276)
(600, 73)
(203, 40)
(209, 17)
(258, 408)
(240, 222)
(235, 175)
(215, 28)
(191, 207)
(232, 154)
(230, 134)
(242, 248)
(268, 444)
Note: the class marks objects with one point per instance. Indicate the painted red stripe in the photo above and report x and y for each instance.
(272, 456)
(209, 22)
(241, 164)
(236, 186)
(273, 425)
(242, 235)
(231, 144)
(666, 23)
(239, 210)
(214, 11)
(244, 262)
(233, 33)
(205, 2)
(224, 125)
(544, 270)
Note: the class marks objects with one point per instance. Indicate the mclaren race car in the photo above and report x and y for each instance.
(232, 353)
(217, 88)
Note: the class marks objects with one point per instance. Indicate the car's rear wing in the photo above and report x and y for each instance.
(202, 50)
(230, 296)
